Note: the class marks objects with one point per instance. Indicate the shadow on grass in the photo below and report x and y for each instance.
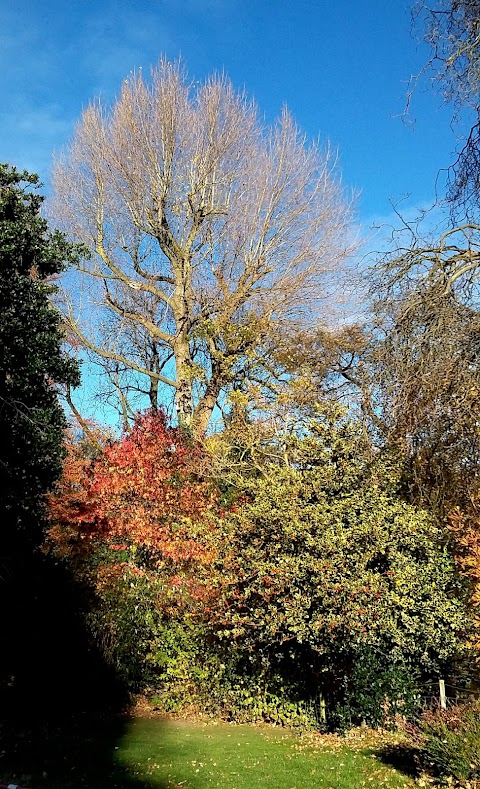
(62, 710)
(401, 757)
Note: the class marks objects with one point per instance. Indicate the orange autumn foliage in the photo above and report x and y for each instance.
(465, 525)
(72, 506)
(142, 490)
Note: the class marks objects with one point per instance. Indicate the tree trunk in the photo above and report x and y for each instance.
(203, 413)
(183, 394)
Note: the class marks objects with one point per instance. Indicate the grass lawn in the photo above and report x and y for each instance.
(143, 753)
(242, 757)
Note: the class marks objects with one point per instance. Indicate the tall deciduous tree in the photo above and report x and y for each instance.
(205, 226)
(32, 361)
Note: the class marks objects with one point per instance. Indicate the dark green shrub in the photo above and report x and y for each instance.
(449, 741)
(376, 693)
(122, 620)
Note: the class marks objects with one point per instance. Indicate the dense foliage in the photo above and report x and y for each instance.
(465, 527)
(268, 592)
(32, 362)
(137, 522)
(328, 565)
(145, 489)
(338, 569)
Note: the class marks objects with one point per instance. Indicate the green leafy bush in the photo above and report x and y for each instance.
(195, 673)
(325, 555)
(121, 617)
(376, 692)
(177, 661)
(449, 741)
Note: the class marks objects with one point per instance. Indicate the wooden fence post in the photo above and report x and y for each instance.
(322, 709)
(443, 698)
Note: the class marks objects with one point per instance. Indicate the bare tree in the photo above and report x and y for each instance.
(205, 228)
(425, 361)
(452, 30)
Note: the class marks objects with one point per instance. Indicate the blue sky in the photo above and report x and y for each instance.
(341, 67)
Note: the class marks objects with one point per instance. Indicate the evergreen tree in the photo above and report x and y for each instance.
(32, 361)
